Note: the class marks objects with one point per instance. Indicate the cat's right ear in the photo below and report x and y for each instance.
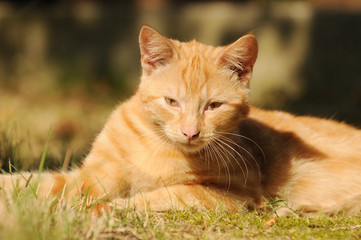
(156, 50)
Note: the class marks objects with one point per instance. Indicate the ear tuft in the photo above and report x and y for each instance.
(240, 56)
(156, 50)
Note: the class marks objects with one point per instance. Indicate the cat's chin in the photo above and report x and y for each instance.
(190, 147)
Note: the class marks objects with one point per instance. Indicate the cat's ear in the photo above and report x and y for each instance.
(239, 57)
(156, 50)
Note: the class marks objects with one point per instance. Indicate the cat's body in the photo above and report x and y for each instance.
(188, 137)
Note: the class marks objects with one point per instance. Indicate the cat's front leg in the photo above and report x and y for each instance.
(177, 197)
(172, 197)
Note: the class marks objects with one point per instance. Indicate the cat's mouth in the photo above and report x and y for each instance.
(191, 146)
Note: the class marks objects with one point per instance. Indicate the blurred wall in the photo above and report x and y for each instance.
(309, 55)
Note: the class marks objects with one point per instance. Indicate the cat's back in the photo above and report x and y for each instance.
(325, 135)
(287, 121)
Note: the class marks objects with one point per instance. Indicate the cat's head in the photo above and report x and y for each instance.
(193, 93)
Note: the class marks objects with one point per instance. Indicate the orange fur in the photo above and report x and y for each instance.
(189, 137)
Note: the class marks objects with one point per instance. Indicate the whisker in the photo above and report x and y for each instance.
(247, 138)
(245, 150)
(216, 153)
(245, 174)
(224, 162)
(207, 156)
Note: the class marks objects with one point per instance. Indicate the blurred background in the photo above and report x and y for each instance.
(64, 65)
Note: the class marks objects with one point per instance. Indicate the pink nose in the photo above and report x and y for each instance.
(191, 134)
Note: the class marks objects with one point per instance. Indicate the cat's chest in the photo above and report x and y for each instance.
(152, 169)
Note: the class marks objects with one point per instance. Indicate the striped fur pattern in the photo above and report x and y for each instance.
(188, 137)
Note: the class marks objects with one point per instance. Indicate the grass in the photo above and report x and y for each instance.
(24, 217)
(25, 121)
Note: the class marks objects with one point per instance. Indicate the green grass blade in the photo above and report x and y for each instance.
(45, 151)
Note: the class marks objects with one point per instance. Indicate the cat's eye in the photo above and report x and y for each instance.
(213, 106)
(171, 102)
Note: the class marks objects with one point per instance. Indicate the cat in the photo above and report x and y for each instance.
(189, 137)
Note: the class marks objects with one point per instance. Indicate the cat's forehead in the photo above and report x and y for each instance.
(194, 74)
(197, 63)
(194, 49)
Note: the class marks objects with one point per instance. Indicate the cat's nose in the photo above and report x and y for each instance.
(191, 134)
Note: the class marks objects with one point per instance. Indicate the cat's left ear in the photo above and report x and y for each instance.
(156, 50)
(239, 57)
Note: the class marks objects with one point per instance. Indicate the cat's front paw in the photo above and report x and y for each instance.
(147, 201)
(137, 202)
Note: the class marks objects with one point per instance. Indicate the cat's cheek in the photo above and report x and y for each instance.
(172, 128)
(223, 122)
(149, 112)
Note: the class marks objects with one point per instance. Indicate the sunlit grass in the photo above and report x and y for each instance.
(24, 217)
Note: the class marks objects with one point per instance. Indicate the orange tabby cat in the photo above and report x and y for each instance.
(189, 137)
